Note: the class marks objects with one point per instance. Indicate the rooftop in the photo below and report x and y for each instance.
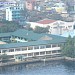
(5, 34)
(46, 21)
(30, 35)
(33, 43)
(40, 39)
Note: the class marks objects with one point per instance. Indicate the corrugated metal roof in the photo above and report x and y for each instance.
(46, 21)
(34, 36)
(30, 35)
(5, 34)
(34, 43)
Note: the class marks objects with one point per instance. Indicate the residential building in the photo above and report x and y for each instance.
(15, 14)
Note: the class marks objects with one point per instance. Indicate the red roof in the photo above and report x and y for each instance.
(46, 21)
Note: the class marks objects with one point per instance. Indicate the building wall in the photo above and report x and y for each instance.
(14, 13)
(33, 25)
(57, 27)
(8, 14)
(32, 51)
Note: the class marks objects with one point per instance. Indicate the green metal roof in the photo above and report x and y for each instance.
(33, 43)
(30, 35)
(5, 34)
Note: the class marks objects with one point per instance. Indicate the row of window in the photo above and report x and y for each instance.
(30, 48)
(39, 53)
(42, 53)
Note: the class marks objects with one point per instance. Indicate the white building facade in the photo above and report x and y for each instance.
(56, 27)
(14, 13)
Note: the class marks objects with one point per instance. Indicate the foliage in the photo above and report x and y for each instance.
(67, 19)
(55, 16)
(28, 27)
(36, 16)
(24, 13)
(69, 48)
(9, 26)
(41, 29)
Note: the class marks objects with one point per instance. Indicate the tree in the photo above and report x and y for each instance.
(74, 45)
(9, 26)
(68, 48)
(27, 27)
(24, 13)
(55, 16)
(41, 29)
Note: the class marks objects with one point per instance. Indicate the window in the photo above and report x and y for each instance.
(24, 48)
(17, 49)
(3, 51)
(30, 54)
(59, 51)
(41, 47)
(25, 39)
(48, 52)
(54, 45)
(54, 51)
(36, 47)
(63, 5)
(69, 26)
(54, 27)
(30, 48)
(48, 46)
(42, 53)
(25, 55)
(12, 56)
(18, 37)
(74, 27)
(11, 50)
(37, 53)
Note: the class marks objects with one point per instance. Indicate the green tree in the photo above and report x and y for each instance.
(55, 16)
(74, 45)
(27, 27)
(24, 13)
(41, 29)
(9, 26)
(68, 48)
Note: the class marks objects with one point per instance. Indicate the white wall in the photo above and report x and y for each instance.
(8, 14)
(34, 24)
(32, 51)
(66, 26)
